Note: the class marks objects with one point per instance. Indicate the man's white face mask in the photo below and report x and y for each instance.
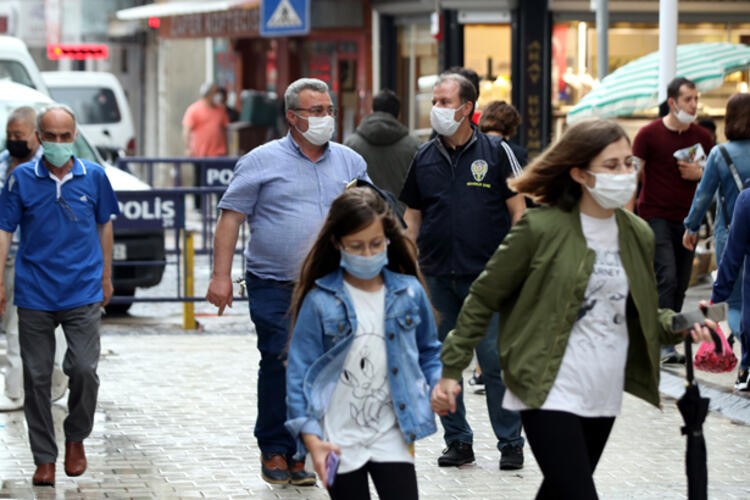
(443, 122)
(319, 129)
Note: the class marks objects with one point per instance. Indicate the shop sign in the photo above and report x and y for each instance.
(232, 23)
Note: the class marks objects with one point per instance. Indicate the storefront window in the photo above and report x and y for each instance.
(416, 72)
(487, 51)
(574, 57)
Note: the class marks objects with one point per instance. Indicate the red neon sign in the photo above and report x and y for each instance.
(79, 52)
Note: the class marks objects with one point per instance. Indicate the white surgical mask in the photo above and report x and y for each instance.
(319, 129)
(442, 120)
(613, 190)
(685, 117)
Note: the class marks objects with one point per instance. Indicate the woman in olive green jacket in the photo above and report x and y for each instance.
(575, 287)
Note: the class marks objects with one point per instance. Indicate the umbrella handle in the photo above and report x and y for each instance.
(689, 359)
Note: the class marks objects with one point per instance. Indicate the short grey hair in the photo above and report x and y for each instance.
(466, 90)
(207, 87)
(24, 114)
(291, 96)
(53, 107)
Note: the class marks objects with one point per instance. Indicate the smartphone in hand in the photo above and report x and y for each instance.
(685, 321)
(332, 465)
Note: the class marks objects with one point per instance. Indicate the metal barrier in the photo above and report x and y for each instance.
(168, 210)
(210, 173)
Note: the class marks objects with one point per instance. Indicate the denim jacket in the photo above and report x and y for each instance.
(717, 179)
(321, 340)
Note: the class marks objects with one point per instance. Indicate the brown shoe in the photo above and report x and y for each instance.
(274, 469)
(44, 475)
(75, 458)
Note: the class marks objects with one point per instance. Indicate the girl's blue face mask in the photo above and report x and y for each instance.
(365, 268)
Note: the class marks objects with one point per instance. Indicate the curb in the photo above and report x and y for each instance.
(724, 401)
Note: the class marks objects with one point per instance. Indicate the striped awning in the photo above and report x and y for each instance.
(635, 86)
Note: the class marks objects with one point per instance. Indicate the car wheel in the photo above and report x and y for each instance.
(121, 307)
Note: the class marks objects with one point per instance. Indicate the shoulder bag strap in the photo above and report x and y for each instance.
(732, 168)
(517, 169)
(737, 181)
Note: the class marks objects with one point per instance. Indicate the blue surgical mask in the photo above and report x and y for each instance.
(364, 268)
(57, 153)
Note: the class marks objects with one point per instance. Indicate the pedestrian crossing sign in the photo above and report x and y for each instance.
(284, 17)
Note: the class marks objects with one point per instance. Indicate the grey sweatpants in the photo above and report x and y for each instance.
(37, 336)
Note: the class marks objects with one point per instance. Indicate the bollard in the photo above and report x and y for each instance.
(188, 307)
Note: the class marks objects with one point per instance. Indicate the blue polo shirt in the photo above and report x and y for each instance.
(462, 196)
(59, 261)
(286, 198)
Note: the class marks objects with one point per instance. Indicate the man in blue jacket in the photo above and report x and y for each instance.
(459, 210)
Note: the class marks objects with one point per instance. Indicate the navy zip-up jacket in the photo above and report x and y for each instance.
(462, 199)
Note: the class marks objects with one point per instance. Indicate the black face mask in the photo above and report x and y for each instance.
(18, 149)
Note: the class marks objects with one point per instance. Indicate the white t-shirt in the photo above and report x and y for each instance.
(591, 379)
(360, 417)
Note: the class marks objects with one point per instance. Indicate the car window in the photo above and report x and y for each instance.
(92, 105)
(15, 72)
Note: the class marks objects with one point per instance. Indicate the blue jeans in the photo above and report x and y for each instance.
(734, 302)
(269, 310)
(447, 296)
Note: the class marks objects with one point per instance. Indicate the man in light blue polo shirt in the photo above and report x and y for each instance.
(63, 206)
(284, 189)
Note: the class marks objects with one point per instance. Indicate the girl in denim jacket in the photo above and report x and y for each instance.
(364, 353)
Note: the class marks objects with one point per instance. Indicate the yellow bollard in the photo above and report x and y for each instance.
(188, 307)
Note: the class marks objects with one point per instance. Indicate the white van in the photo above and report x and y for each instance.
(129, 244)
(17, 65)
(100, 105)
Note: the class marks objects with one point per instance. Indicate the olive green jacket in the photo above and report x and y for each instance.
(536, 280)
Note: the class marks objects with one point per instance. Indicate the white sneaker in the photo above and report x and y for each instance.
(743, 380)
(8, 404)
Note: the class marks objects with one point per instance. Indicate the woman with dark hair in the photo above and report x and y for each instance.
(501, 119)
(575, 287)
(723, 163)
(363, 354)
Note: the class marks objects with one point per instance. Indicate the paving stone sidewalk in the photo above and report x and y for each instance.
(176, 413)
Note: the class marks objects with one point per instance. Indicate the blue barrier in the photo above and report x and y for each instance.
(164, 209)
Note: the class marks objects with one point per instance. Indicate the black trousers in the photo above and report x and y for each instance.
(393, 481)
(567, 448)
(673, 263)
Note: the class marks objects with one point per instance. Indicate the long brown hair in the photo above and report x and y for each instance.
(351, 212)
(547, 180)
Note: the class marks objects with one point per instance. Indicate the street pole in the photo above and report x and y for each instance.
(667, 45)
(602, 39)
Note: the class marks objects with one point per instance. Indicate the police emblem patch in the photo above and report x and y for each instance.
(479, 170)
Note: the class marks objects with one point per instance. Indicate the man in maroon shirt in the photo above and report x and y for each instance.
(667, 188)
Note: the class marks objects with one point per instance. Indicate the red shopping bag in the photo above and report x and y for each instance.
(716, 356)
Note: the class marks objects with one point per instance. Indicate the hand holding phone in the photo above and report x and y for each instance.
(332, 465)
(686, 320)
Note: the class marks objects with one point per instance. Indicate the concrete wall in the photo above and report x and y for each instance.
(182, 70)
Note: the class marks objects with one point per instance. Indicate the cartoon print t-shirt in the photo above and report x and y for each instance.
(591, 379)
(360, 417)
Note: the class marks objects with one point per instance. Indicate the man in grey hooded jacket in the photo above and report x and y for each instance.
(384, 143)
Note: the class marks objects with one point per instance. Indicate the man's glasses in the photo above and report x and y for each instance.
(69, 213)
(318, 111)
(359, 248)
